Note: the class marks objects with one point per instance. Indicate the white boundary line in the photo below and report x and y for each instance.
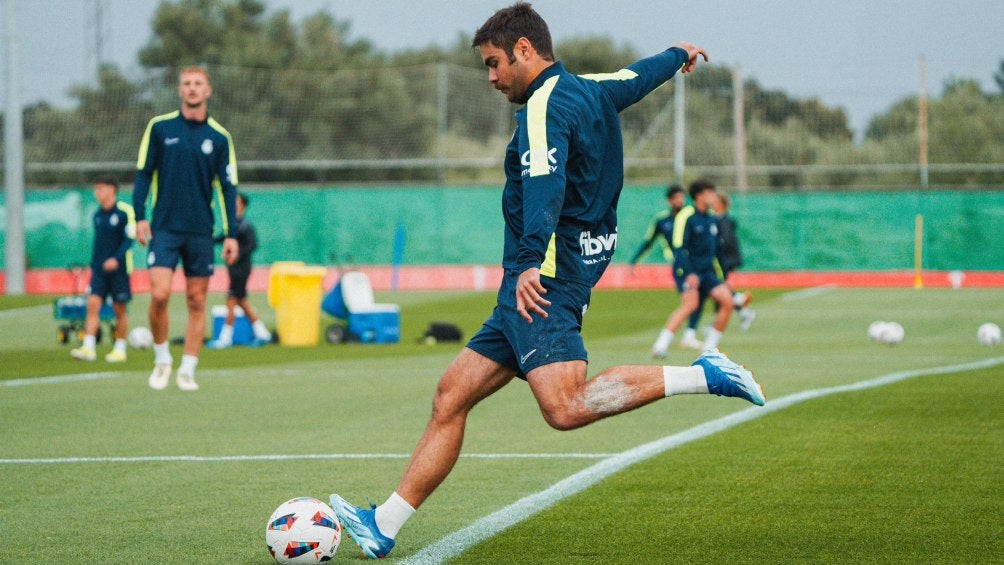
(274, 457)
(15, 312)
(807, 292)
(461, 540)
(59, 379)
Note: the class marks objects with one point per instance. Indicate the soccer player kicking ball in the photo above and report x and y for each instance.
(564, 169)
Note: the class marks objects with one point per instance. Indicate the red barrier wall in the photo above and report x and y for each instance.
(478, 277)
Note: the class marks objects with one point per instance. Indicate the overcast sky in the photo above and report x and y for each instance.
(861, 55)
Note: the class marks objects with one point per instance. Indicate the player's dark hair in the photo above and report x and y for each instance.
(673, 190)
(243, 197)
(507, 25)
(109, 180)
(699, 186)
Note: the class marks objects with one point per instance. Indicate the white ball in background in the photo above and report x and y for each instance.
(956, 278)
(140, 337)
(875, 330)
(989, 334)
(892, 333)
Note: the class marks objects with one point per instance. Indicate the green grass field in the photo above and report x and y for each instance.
(99, 469)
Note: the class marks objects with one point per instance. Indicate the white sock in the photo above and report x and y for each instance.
(162, 354)
(120, 345)
(712, 339)
(188, 364)
(684, 380)
(391, 515)
(662, 342)
(260, 331)
(689, 334)
(88, 342)
(226, 334)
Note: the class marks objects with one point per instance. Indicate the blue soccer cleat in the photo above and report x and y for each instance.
(726, 378)
(361, 527)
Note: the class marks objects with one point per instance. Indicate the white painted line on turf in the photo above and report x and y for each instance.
(219, 458)
(808, 292)
(460, 541)
(16, 312)
(59, 379)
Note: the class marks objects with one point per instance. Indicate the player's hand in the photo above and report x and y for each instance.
(110, 264)
(529, 293)
(692, 52)
(230, 250)
(143, 233)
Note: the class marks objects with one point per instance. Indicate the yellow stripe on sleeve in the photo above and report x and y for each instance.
(623, 74)
(144, 144)
(680, 225)
(232, 157)
(550, 266)
(536, 128)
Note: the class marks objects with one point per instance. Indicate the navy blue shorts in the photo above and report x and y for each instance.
(709, 280)
(195, 251)
(238, 283)
(510, 341)
(114, 284)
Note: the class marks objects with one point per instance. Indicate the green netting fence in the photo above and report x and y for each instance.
(869, 231)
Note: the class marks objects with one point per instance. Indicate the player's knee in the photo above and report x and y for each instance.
(159, 298)
(561, 418)
(196, 301)
(446, 405)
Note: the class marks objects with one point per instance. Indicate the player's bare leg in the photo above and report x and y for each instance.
(722, 294)
(195, 331)
(118, 353)
(195, 297)
(689, 302)
(91, 322)
(568, 401)
(160, 296)
(469, 379)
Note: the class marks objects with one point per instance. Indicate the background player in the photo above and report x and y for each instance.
(240, 271)
(661, 229)
(732, 257)
(111, 264)
(186, 158)
(696, 268)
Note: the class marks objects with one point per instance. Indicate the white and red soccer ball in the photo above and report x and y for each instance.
(303, 530)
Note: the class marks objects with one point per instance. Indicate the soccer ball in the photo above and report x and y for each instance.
(892, 333)
(303, 530)
(989, 334)
(140, 338)
(889, 333)
(875, 330)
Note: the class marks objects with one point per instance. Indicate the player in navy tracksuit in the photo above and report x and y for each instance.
(697, 268)
(111, 264)
(661, 229)
(564, 173)
(240, 272)
(186, 162)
